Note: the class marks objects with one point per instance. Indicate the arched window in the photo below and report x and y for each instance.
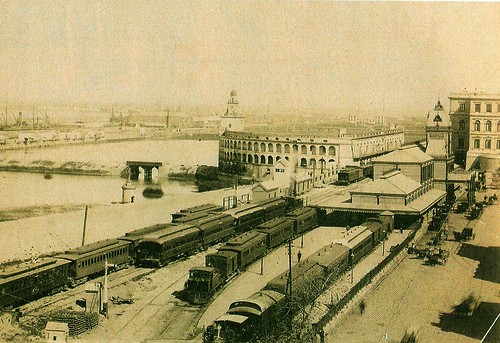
(270, 147)
(255, 159)
(476, 143)
(262, 147)
(244, 158)
(322, 150)
(244, 145)
(287, 148)
(312, 162)
(278, 147)
(303, 162)
(250, 159)
(461, 124)
(239, 144)
(270, 160)
(312, 149)
(487, 144)
(255, 146)
(477, 125)
(278, 158)
(488, 126)
(231, 144)
(498, 144)
(250, 146)
(262, 159)
(295, 148)
(498, 126)
(303, 150)
(331, 151)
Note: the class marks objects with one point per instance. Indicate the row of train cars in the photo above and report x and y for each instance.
(268, 312)
(191, 230)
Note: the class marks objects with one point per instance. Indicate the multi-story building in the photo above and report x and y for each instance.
(475, 119)
(376, 119)
(318, 156)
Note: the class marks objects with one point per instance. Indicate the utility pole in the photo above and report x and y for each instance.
(105, 302)
(84, 225)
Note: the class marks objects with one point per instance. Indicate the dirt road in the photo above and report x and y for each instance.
(420, 296)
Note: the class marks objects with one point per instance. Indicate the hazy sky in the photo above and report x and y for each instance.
(302, 54)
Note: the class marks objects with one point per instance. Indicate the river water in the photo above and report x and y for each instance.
(31, 189)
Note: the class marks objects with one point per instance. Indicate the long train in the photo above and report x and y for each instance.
(241, 251)
(191, 229)
(255, 316)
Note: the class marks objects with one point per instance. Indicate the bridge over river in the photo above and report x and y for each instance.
(134, 170)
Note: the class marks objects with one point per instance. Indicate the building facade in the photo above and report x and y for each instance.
(475, 120)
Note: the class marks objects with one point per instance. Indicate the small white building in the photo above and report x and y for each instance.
(56, 332)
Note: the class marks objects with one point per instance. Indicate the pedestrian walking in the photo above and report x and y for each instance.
(299, 256)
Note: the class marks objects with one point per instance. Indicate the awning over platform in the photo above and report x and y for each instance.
(416, 207)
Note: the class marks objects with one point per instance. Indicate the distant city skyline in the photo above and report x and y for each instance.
(328, 55)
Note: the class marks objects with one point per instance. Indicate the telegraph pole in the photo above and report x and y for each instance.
(105, 306)
(84, 225)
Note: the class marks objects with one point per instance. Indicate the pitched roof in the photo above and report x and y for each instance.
(393, 184)
(411, 154)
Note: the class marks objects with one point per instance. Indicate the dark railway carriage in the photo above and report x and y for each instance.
(377, 227)
(305, 218)
(189, 218)
(134, 237)
(277, 231)
(196, 209)
(249, 246)
(25, 282)
(161, 247)
(226, 262)
(214, 228)
(247, 216)
(360, 241)
(273, 207)
(88, 260)
(334, 258)
(304, 276)
(259, 308)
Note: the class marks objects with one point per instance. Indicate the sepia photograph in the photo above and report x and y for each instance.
(249, 171)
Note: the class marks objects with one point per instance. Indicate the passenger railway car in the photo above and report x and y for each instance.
(277, 231)
(305, 218)
(378, 228)
(359, 240)
(204, 208)
(215, 227)
(28, 281)
(134, 237)
(247, 216)
(161, 247)
(259, 310)
(248, 246)
(273, 207)
(88, 260)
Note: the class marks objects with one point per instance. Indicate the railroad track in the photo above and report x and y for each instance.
(139, 310)
(64, 299)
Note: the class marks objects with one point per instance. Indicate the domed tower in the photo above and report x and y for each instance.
(231, 121)
(438, 138)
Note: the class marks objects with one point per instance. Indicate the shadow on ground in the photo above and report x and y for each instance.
(488, 258)
(474, 326)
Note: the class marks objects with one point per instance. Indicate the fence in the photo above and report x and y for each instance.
(365, 280)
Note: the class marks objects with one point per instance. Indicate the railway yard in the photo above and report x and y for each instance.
(145, 304)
